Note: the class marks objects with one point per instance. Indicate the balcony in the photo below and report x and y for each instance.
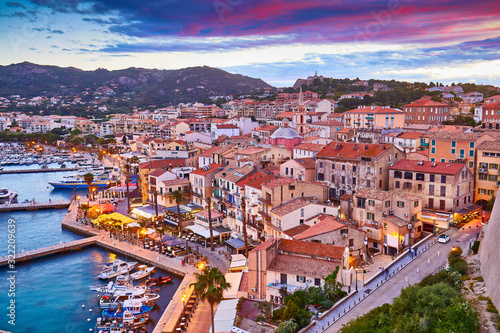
(289, 288)
(266, 201)
(460, 157)
(198, 195)
(482, 170)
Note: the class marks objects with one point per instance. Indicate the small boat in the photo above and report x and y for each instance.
(158, 281)
(111, 290)
(73, 182)
(7, 196)
(115, 325)
(138, 309)
(110, 301)
(116, 268)
(142, 272)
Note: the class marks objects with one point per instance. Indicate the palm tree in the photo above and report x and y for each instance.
(244, 220)
(209, 203)
(127, 174)
(135, 161)
(177, 196)
(210, 286)
(89, 179)
(155, 194)
(143, 223)
(161, 231)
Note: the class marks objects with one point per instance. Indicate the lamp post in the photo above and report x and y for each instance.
(183, 298)
(366, 247)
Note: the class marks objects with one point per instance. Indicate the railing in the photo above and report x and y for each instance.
(482, 170)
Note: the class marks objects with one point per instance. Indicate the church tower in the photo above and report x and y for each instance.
(300, 124)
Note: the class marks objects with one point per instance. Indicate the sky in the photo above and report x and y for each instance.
(276, 40)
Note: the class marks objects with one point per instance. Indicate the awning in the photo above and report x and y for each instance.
(196, 228)
(174, 242)
(235, 243)
(170, 223)
(234, 280)
(469, 209)
(225, 316)
(206, 233)
(222, 230)
(167, 238)
(174, 210)
(104, 208)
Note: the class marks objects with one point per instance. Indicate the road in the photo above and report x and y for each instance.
(425, 264)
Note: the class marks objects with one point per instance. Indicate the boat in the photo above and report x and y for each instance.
(7, 196)
(138, 309)
(116, 268)
(158, 281)
(124, 324)
(44, 166)
(73, 182)
(95, 170)
(1, 168)
(63, 166)
(111, 301)
(142, 272)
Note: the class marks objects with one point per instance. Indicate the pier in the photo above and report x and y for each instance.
(35, 206)
(64, 247)
(37, 170)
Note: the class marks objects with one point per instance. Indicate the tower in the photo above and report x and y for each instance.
(300, 124)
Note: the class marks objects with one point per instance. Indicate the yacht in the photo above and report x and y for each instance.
(138, 309)
(142, 272)
(73, 182)
(112, 301)
(126, 322)
(116, 268)
(7, 196)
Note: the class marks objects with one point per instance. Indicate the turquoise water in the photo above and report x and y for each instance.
(50, 292)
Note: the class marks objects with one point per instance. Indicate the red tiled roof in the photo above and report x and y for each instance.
(292, 232)
(371, 193)
(265, 245)
(410, 135)
(256, 180)
(290, 206)
(179, 181)
(489, 145)
(312, 248)
(209, 151)
(277, 182)
(352, 150)
(156, 164)
(202, 172)
(286, 114)
(215, 214)
(425, 102)
(492, 105)
(330, 223)
(226, 126)
(309, 146)
(308, 163)
(157, 172)
(378, 109)
(328, 123)
(440, 168)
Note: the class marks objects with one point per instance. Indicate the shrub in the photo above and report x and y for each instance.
(460, 266)
(260, 318)
(479, 279)
(475, 247)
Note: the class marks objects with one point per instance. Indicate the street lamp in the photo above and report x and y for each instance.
(184, 300)
(366, 247)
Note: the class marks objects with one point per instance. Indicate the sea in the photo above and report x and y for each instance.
(52, 293)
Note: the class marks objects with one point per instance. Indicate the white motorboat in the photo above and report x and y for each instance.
(111, 290)
(116, 268)
(142, 272)
(7, 196)
(111, 301)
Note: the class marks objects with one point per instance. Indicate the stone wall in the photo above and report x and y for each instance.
(489, 253)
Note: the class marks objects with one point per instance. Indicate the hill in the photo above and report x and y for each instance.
(142, 86)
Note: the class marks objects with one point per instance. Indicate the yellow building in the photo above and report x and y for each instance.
(487, 171)
(374, 117)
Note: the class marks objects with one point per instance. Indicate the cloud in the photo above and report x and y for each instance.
(56, 31)
(12, 4)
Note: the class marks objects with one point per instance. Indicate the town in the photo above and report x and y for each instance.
(309, 195)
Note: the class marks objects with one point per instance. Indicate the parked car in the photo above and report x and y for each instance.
(443, 239)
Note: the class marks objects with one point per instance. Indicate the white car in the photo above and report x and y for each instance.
(443, 239)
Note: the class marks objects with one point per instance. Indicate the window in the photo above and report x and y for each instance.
(443, 160)
(453, 151)
(433, 142)
(409, 175)
(490, 192)
(333, 178)
(387, 204)
(400, 204)
(301, 221)
(453, 143)
(380, 171)
(286, 171)
(407, 185)
(371, 203)
(398, 174)
(343, 179)
(433, 150)
(343, 167)
(443, 179)
(370, 216)
(302, 212)
(354, 168)
(471, 154)
(320, 164)
(361, 202)
(354, 181)
(458, 191)
(397, 184)
(431, 178)
(301, 279)
(471, 144)
(368, 183)
(419, 176)
(482, 191)
(431, 189)
(443, 191)
(415, 204)
(321, 177)
(317, 282)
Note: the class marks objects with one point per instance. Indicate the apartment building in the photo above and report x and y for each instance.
(348, 167)
(491, 116)
(487, 171)
(426, 111)
(201, 183)
(374, 117)
(299, 168)
(447, 187)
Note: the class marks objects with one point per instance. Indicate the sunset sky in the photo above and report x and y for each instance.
(276, 40)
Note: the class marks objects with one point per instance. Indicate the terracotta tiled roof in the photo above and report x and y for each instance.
(456, 136)
(233, 174)
(410, 135)
(328, 123)
(265, 245)
(156, 164)
(290, 206)
(395, 220)
(316, 268)
(327, 225)
(215, 214)
(440, 168)
(249, 151)
(308, 163)
(492, 105)
(292, 232)
(180, 181)
(344, 130)
(370, 193)
(226, 126)
(426, 102)
(287, 114)
(312, 248)
(352, 150)
(489, 145)
(157, 172)
(378, 109)
(309, 146)
(277, 182)
(449, 128)
(266, 128)
(203, 172)
(208, 152)
(256, 180)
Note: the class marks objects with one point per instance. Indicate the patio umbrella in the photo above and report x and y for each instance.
(149, 231)
(174, 242)
(167, 238)
(134, 225)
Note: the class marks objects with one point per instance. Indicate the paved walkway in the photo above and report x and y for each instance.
(426, 263)
(202, 320)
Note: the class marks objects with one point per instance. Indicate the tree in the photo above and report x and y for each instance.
(287, 326)
(124, 139)
(490, 204)
(88, 178)
(210, 286)
(127, 175)
(76, 131)
(210, 227)
(100, 155)
(161, 231)
(177, 196)
(135, 161)
(265, 309)
(244, 220)
(155, 194)
(144, 224)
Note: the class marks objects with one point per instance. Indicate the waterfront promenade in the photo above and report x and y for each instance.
(5, 172)
(35, 206)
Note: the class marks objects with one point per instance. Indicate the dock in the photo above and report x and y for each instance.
(36, 170)
(64, 247)
(35, 206)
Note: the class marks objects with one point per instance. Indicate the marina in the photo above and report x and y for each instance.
(10, 171)
(35, 206)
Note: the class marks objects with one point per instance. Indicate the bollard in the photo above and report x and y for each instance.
(406, 279)
(428, 261)
(418, 269)
(438, 252)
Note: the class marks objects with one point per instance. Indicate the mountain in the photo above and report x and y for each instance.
(143, 86)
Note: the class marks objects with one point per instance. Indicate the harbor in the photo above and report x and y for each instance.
(9, 171)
